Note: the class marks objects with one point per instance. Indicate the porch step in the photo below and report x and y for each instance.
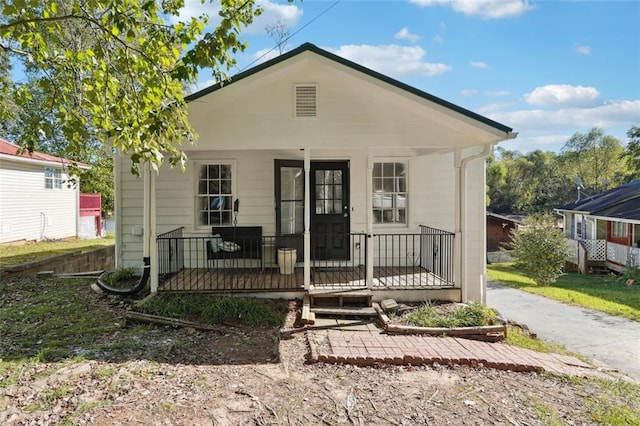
(330, 298)
(598, 270)
(353, 311)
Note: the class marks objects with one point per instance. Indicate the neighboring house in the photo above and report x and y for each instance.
(36, 202)
(604, 229)
(312, 172)
(499, 231)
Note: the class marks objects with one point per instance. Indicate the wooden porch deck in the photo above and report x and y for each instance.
(270, 280)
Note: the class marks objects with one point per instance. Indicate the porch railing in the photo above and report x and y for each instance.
(270, 263)
(438, 249)
(339, 259)
(170, 252)
(603, 251)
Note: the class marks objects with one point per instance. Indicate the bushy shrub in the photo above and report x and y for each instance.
(540, 249)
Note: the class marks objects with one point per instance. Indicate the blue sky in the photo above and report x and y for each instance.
(548, 69)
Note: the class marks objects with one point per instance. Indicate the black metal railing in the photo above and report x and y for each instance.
(437, 252)
(396, 261)
(245, 263)
(275, 263)
(170, 252)
(339, 259)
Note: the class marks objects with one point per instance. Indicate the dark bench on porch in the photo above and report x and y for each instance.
(247, 238)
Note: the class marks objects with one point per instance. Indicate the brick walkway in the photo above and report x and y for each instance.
(371, 348)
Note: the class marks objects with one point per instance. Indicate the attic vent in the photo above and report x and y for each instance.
(305, 101)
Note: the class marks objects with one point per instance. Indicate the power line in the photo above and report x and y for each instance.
(290, 36)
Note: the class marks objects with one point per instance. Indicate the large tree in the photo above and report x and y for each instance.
(593, 160)
(113, 70)
(632, 153)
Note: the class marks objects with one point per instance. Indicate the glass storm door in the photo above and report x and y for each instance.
(289, 186)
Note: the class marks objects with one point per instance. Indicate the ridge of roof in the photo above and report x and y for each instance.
(607, 199)
(11, 149)
(328, 55)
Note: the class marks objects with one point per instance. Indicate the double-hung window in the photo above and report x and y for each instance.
(390, 193)
(215, 195)
(619, 229)
(52, 178)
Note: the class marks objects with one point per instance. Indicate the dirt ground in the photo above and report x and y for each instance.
(243, 376)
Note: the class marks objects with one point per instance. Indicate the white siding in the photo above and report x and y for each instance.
(28, 211)
(431, 193)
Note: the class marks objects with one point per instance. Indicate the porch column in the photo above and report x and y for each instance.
(153, 252)
(307, 220)
(369, 207)
(457, 263)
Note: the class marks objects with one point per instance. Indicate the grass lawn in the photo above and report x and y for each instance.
(17, 254)
(607, 294)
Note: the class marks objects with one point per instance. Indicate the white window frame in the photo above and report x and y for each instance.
(52, 178)
(198, 197)
(394, 195)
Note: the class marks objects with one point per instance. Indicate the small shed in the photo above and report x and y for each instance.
(499, 229)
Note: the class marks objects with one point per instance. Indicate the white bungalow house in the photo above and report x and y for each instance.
(604, 229)
(315, 173)
(35, 201)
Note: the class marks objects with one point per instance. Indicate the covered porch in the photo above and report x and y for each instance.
(381, 263)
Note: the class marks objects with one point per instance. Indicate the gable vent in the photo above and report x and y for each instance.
(306, 101)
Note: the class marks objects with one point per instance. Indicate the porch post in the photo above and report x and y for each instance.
(307, 220)
(153, 252)
(457, 261)
(369, 206)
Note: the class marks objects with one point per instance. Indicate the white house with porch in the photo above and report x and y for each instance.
(313, 173)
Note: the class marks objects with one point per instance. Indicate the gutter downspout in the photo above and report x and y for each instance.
(461, 213)
(147, 222)
(117, 208)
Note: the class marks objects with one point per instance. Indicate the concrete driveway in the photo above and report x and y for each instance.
(611, 340)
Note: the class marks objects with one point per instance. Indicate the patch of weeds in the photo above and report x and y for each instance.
(50, 318)
(521, 339)
(10, 373)
(53, 354)
(548, 415)
(85, 407)
(604, 410)
(103, 373)
(163, 407)
(55, 394)
(122, 277)
(471, 315)
(217, 310)
(35, 407)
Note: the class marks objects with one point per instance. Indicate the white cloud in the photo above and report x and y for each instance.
(264, 55)
(489, 9)
(469, 92)
(562, 94)
(478, 64)
(272, 13)
(438, 38)
(610, 114)
(583, 50)
(497, 93)
(195, 8)
(404, 34)
(392, 60)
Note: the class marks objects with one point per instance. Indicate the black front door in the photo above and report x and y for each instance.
(329, 184)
